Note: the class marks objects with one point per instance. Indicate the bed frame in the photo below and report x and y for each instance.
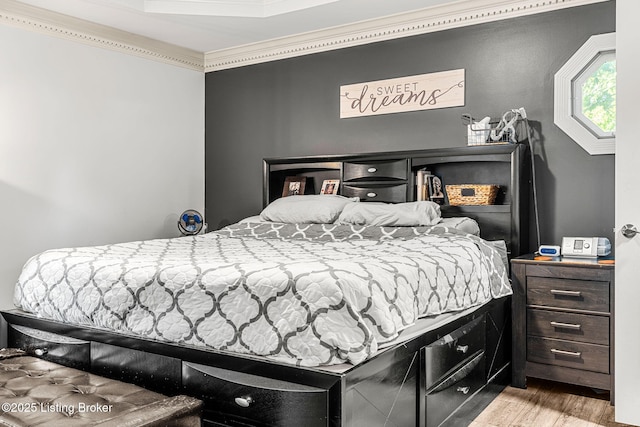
(429, 380)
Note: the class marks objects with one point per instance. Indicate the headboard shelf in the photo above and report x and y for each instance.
(478, 153)
(391, 177)
(425, 161)
(307, 166)
(471, 209)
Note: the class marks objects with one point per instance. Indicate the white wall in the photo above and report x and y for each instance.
(96, 147)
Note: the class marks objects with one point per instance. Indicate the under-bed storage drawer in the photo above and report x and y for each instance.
(454, 369)
(55, 348)
(153, 371)
(244, 398)
(451, 393)
(443, 356)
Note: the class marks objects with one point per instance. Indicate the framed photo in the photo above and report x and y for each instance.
(330, 186)
(294, 185)
(435, 189)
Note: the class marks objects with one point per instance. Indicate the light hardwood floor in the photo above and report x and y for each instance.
(548, 404)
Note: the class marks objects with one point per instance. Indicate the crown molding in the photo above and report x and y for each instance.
(437, 18)
(63, 26)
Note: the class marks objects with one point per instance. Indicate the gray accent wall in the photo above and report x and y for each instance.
(291, 108)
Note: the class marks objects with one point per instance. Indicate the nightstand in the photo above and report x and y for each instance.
(562, 318)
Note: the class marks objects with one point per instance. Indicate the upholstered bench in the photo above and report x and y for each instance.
(35, 392)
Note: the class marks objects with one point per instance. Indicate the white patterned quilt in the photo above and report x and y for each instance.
(307, 294)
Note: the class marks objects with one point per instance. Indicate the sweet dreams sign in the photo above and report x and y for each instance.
(413, 93)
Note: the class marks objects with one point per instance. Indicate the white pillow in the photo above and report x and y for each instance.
(411, 214)
(316, 209)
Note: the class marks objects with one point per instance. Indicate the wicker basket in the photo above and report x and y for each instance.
(472, 194)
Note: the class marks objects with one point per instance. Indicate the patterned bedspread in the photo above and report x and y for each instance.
(304, 294)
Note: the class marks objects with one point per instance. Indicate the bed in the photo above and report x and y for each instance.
(363, 308)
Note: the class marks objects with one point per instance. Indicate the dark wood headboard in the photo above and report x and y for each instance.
(391, 177)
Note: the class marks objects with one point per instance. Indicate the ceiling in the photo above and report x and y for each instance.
(267, 20)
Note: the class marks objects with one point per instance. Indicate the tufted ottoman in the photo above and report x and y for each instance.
(34, 392)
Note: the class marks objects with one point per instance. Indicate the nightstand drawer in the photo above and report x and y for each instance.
(395, 169)
(571, 354)
(565, 293)
(568, 326)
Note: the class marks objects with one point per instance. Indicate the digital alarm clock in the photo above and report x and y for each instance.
(549, 250)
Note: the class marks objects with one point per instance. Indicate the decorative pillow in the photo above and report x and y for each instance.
(317, 209)
(411, 214)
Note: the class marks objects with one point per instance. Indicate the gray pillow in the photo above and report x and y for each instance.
(462, 223)
(410, 214)
(316, 209)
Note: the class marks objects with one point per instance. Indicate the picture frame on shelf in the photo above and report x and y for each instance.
(330, 186)
(436, 189)
(294, 186)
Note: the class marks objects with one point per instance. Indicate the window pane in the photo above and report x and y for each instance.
(599, 96)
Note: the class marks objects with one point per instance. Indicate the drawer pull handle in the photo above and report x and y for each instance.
(566, 293)
(463, 390)
(372, 170)
(462, 349)
(566, 325)
(244, 401)
(40, 351)
(566, 353)
(371, 194)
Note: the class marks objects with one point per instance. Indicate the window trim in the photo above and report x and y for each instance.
(572, 70)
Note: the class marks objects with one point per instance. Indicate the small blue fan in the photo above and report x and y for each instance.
(190, 222)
